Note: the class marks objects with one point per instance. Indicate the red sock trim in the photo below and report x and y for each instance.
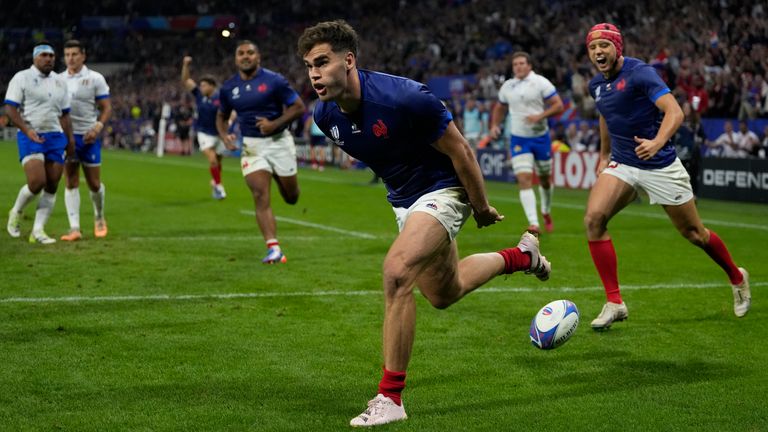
(272, 243)
(719, 253)
(392, 384)
(216, 173)
(515, 260)
(606, 263)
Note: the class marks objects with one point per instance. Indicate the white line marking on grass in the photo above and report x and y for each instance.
(245, 237)
(228, 296)
(645, 214)
(358, 234)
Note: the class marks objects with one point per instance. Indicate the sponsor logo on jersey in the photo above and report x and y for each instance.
(335, 136)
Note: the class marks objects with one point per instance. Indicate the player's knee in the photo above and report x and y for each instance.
(694, 235)
(440, 302)
(595, 223)
(291, 197)
(396, 280)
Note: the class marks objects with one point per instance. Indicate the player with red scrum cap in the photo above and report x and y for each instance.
(638, 116)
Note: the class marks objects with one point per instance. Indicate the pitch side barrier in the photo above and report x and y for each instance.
(719, 178)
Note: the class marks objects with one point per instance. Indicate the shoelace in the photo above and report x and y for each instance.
(375, 406)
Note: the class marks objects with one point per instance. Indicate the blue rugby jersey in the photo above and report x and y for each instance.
(627, 102)
(207, 107)
(392, 132)
(264, 95)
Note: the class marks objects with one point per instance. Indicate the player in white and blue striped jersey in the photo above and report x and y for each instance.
(38, 103)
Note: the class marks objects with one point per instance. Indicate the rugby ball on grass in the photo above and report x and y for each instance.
(554, 324)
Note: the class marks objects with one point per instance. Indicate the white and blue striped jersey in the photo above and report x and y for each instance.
(40, 98)
(85, 88)
(524, 97)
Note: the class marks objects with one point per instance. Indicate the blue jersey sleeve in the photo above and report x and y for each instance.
(429, 117)
(650, 82)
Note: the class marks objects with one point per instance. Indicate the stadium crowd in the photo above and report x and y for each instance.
(714, 54)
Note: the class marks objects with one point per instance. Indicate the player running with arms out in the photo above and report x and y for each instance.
(402, 131)
(530, 99)
(207, 104)
(91, 108)
(638, 117)
(265, 104)
(37, 102)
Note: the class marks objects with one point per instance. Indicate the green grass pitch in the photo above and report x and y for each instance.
(172, 323)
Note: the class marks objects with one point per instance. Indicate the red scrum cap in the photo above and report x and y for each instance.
(609, 32)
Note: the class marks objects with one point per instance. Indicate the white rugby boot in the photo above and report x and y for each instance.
(14, 224)
(611, 312)
(381, 410)
(540, 267)
(742, 297)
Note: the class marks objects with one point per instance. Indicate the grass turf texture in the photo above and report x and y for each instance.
(172, 322)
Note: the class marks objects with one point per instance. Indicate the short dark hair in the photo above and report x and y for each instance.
(246, 42)
(524, 54)
(338, 34)
(209, 79)
(74, 43)
(42, 42)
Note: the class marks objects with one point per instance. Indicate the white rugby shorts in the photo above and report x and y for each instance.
(670, 185)
(450, 206)
(206, 141)
(275, 154)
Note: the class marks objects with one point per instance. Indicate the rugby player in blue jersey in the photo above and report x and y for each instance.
(402, 131)
(207, 106)
(266, 105)
(638, 117)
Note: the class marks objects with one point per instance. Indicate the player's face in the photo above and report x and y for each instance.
(602, 53)
(328, 71)
(74, 58)
(521, 67)
(247, 58)
(44, 62)
(206, 88)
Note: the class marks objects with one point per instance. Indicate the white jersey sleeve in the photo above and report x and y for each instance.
(15, 93)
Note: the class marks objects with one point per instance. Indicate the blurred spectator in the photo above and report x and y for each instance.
(748, 142)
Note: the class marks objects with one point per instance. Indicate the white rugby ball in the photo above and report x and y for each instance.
(554, 324)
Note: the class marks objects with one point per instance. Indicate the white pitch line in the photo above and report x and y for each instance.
(358, 234)
(227, 296)
(245, 238)
(645, 214)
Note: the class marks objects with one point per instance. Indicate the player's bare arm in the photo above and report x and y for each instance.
(498, 115)
(186, 79)
(291, 113)
(673, 118)
(222, 126)
(605, 146)
(464, 162)
(105, 113)
(66, 125)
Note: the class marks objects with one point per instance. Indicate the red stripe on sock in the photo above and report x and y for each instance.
(515, 260)
(719, 253)
(392, 384)
(216, 173)
(604, 257)
(272, 243)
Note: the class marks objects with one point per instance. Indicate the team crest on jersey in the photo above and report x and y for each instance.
(84, 82)
(335, 135)
(262, 88)
(621, 85)
(247, 87)
(380, 129)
